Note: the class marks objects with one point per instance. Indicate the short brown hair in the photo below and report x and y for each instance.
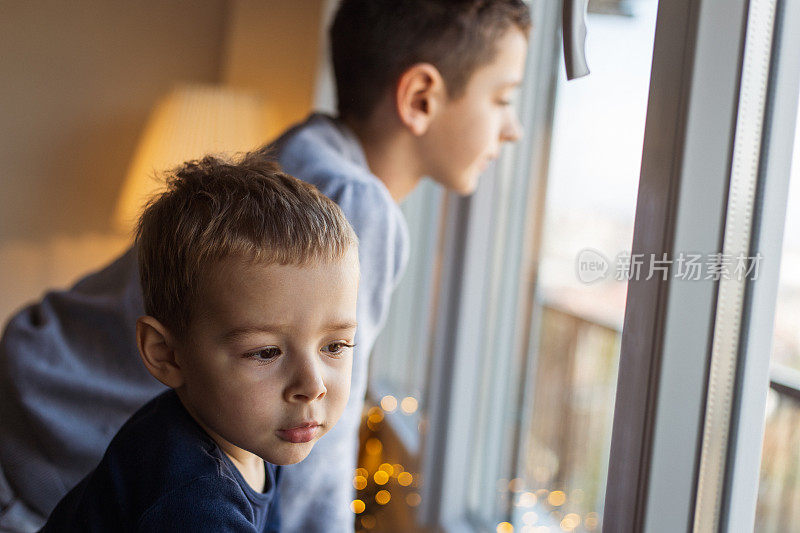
(374, 41)
(212, 209)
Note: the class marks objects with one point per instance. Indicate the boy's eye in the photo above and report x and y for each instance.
(268, 353)
(337, 348)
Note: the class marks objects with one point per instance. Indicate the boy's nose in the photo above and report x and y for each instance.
(306, 384)
(512, 129)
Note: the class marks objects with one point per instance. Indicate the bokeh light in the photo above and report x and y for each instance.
(530, 518)
(557, 498)
(527, 499)
(373, 446)
(413, 499)
(359, 482)
(409, 405)
(570, 522)
(368, 521)
(389, 403)
(376, 413)
(504, 527)
(404, 478)
(358, 506)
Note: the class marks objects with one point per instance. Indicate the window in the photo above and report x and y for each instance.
(779, 485)
(553, 395)
(541, 450)
(693, 375)
(521, 354)
(400, 362)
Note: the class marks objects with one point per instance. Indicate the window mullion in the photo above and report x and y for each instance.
(754, 373)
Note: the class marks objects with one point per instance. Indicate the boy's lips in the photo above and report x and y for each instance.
(298, 434)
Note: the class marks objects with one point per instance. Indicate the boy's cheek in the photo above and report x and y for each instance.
(341, 380)
(339, 388)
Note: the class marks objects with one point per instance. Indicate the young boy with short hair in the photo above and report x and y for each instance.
(250, 279)
(424, 90)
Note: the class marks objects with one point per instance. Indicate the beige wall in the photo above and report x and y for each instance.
(273, 48)
(79, 79)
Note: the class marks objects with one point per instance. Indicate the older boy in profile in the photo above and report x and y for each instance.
(424, 89)
(250, 279)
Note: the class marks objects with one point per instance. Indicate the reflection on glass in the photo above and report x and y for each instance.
(778, 507)
(400, 357)
(566, 457)
(786, 340)
(590, 205)
(594, 164)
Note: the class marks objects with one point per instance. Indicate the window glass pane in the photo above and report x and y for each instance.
(786, 340)
(544, 465)
(400, 358)
(777, 509)
(779, 487)
(387, 479)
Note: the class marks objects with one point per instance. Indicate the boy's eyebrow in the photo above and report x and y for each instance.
(516, 82)
(340, 325)
(243, 331)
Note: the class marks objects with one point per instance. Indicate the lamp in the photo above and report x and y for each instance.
(190, 122)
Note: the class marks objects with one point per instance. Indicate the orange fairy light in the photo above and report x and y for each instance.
(505, 527)
(358, 506)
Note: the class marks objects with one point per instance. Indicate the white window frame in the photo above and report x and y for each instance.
(661, 408)
(755, 373)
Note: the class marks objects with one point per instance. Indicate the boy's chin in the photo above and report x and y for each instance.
(464, 184)
(290, 454)
(468, 186)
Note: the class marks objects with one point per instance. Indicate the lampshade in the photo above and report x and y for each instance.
(190, 122)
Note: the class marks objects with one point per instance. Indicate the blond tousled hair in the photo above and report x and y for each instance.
(214, 208)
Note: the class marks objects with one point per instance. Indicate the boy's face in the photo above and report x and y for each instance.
(467, 133)
(266, 364)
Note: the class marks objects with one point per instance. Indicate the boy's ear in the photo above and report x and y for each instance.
(157, 349)
(418, 96)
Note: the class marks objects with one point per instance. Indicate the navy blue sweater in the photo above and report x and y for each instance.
(162, 472)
